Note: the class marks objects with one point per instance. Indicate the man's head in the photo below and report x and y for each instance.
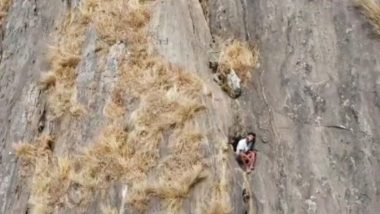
(251, 136)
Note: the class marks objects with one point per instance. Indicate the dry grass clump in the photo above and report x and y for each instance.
(48, 80)
(114, 107)
(171, 190)
(138, 17)
(4, 7)
(169, 99)
(218, 207)
(29, 153)
(94, 168)
(105, 22)
(106, 160)
(116, 157)
(238, 56)
(371, 9)
(177, 174)
(63, 100)
(109, 210)
(186, 143)
(174, 191)
(146, 72)
(161, 114)
(52, 180)
(185, 152)
(50, 183)
(178, 187)
(219, 203)
(113, 110)
(112, 25)
(51, 175)
(111, 21)
(64, 57)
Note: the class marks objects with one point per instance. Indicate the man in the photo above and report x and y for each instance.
(246, 152)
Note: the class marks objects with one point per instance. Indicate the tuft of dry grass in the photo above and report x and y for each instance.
(161, 114)
(30, 155)
(63, 100)
(371, 9)
(139, 14)
(25, 150)
(64, 57)
(42, 146)
(219, 203)
(50, 180)
(106, 160)
(238, 56)
(48, 80)
(172, 190)
(4, 7)
(114, 107)
(113, 110)
(177, 174)
(111, 24)
(218, 207)
(180, 187)
(146, 72)
(108, 210)
(95, 167)
(138, 197)
(77, 109)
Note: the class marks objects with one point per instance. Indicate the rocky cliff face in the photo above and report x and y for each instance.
(115, 139)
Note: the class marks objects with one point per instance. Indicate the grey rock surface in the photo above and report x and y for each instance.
(314, 101)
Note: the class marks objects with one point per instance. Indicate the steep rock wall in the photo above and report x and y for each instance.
(27, 114)
(316, 94)
(24, 44)
(313, 102)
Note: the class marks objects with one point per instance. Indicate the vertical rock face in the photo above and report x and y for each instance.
(76, 113)
(313, 102)
(23, 56)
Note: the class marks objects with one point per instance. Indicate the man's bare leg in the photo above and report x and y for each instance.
(246, 160)
(252, 160)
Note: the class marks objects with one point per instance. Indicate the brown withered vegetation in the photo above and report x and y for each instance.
(4, 7)
(64, 57)
(371, 9)
(169, 101)
(109, 210)
(238, 56)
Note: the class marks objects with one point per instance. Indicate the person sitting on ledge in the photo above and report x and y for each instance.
(246, 152)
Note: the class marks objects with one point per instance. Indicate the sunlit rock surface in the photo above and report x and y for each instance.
(313, 101)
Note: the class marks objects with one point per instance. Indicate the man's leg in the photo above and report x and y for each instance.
(252, 160)
(246, 160)
(250, 157)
